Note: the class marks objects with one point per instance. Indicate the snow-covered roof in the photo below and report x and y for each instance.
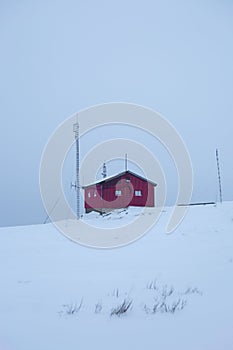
(112, 177)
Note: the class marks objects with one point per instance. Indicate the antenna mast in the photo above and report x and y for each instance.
(77, 183)
(219, 177)
(126, 162)
(104, 173)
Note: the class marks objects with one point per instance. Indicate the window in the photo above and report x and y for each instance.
(89, 194)
(95, 194)
(118, 193)
(138, 193)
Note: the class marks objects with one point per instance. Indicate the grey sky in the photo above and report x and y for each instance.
(58, 57)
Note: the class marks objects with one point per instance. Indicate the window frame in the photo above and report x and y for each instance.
(138, 193)
(118, 193)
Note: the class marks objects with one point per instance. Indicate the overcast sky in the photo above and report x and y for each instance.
(58, 57)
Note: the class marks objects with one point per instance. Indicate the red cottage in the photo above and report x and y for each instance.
(119, 191)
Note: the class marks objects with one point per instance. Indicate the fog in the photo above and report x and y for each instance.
(59, 57)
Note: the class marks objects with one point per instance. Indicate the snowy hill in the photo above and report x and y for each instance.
(176, 290)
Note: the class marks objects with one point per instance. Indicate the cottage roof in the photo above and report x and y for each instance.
(113, 177)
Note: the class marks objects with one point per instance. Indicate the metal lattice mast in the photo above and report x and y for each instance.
(77, 183)
(219, 177)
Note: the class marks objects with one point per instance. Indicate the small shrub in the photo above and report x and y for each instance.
(155, 307)
(147, 309)
(177, 305)
(98, 308)
(73, 308)
(190, 290)
(122, 308)
(115, 293)
(152, 285)
(166, 292)
(165, 307)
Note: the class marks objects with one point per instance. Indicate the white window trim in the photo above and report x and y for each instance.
(138, 193)
(118, 193)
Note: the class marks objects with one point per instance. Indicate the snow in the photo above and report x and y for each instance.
(45, 278)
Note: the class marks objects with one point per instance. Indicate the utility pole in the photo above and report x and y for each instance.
(77, 182)
(219, 176)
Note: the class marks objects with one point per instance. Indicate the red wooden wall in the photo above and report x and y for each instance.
(102, 195)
